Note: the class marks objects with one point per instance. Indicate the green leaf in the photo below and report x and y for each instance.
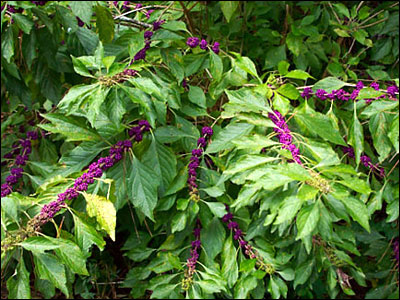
(212, 238)
(104, 211)
(321, 125)
(82, 9)
(175, 26)
(356, 136)
(228, 8)
(247, 65)
(307, 192)
(147, 85)
(196, 96)
(86, 234)
(303, 272)
(142, 188)
(80, 67)
(223, 139)
(216, 66)
(178, 222)
(23, 22)
(329, 84)
(210, 286)
(76, 95)
(48, 267)
(104, 24)
(246, 100)
(163, 161)
(254, 142)
(378, 126)
(217, 208)
(288, 209)
(283, 67)
(247, 265)
(229, 262)
(163, 291)
(18, 285)
(71, 255)
(288, 90)
(394, 133)
(247, 162)
(298, 74)
(97, 98)
(294, 171)
(357, 210)
(273, 288)
(39, 244)
(73, 128)
(307, 220)
(7, 44)
(323, 153)
(369, 93)
(244, 286)
(379, 106)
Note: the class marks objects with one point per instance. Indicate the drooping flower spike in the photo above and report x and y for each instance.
(249, 251)
(284, 135)
(21, 153)
(195, 159)
(95, 170)
(194, 256)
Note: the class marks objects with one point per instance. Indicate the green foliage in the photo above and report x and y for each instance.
(319, 228)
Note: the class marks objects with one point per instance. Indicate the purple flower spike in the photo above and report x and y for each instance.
(192, 42)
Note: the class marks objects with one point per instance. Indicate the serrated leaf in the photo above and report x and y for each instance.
(217, 208)
(356, 136)
(228, 8)
(329, 84)
(357, 210)
(216, 66)
(104, 211)
(18, 285)
(142, 188)
(82, 9)
(247, 162)
(196, 96)
(178, 222)
(48, 267)
(39, 244)
(104, 24)
(86, 234)
(222, 140)
(307, 220)
(394, 133)
(229, 262)
(288, 209)
(298, 74)
(71, 255)
(73, 128)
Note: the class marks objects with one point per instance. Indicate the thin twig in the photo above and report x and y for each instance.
(372, 24)
(374, 15)
(126, 19)
(164, 10)
(186, 12)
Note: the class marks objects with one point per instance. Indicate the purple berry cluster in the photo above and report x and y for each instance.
(246, 247)
(193, 42)
(11, 9)
(20, 152)
(207, 132)
(365, 160)
(285, 138)
(80, 22)
(125, 74)
(345, 96)
(194, 256)
(137, 131)
(95, 170)
(141, 54)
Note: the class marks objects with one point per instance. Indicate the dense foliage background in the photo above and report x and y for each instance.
(291, 108)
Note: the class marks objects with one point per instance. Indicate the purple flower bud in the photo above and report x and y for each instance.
(215, 48)
(139, 5)
(157, 24)
(359, 85)
(196, 243)
(392, 90)
(148, 34)
(184, 83)
(365, 160)
(375, 86)
(192, 42)
(141, 54)
(203, 44)
(207, 131)
(233, 225)
(201, 142)
(321, 94)
(197, 152)
(307, 93)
